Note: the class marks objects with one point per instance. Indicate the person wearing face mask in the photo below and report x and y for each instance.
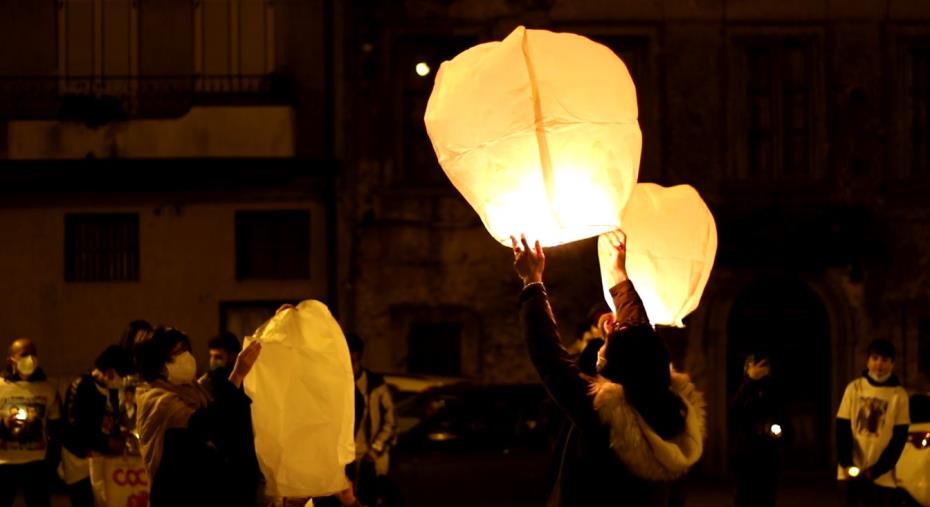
(185, 432)
(871, 430)
(92, 415)
(223, 348)
(29, 412)
(636, 426)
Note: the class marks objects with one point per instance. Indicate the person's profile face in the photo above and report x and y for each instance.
(601, 357)
(607, 322)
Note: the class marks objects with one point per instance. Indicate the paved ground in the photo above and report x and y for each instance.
(794, 492)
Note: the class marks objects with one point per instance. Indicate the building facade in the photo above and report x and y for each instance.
(803, 124)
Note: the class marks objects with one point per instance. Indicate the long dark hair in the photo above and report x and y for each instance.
(152, 351)
(638, 360)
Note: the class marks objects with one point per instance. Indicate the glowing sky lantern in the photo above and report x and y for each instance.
(539, 133)
(672, 241)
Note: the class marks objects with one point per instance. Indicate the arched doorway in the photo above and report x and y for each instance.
(787, 318)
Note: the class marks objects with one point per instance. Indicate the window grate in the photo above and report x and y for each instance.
(101, 247)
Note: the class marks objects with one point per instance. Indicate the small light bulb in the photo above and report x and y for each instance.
(853, 471)
(21, 415)
(776, 430)
(423, 69)
(923, 443)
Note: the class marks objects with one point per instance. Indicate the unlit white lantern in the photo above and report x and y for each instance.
(303, 402)
(671, 244)
(539, 133)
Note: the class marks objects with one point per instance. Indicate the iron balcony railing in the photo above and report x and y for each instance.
(100, 99)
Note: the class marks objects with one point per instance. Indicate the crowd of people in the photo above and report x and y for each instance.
(635, 427)
(142, 397)
(620, 365)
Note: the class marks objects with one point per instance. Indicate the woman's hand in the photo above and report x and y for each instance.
(612, 245)
(529, 263)
(757, 370)
(244, 363)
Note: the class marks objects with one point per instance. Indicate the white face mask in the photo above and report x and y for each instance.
(216, 364)
(27, 365)
(878, 379)
(182, 369)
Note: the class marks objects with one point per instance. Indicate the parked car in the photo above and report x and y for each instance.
(913, 468)
(406, 385)
(404, 390)
(487, 445)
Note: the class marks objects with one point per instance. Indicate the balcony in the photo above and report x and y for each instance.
(123, 59)
(98, 100)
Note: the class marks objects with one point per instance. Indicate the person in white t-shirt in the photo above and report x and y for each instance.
(28, 404)
(871, 430)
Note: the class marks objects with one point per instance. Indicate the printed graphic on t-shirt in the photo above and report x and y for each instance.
(23, 423)
(871, 416)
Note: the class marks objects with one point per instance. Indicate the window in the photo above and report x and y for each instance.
(772, 108)
(273, 244)
(414, 151)
(436, 340)
(101, 247)
(97, 41)
(435, 349)
(636, 53)
(229, 46)
(917, 110)
(233, 44)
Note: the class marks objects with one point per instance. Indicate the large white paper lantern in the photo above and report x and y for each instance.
(303, 402)
(671, 245)
(539, 133)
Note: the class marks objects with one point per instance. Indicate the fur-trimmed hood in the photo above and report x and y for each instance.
(642, 451)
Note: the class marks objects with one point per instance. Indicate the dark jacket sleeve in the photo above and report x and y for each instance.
(844, 442)
(889, 457)
(630, 309)
(229, 407)
(227, 422)
(557, 371)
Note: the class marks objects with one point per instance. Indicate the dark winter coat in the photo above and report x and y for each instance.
(91, 417)
(611, 457)
(755, 408)
(210, 461)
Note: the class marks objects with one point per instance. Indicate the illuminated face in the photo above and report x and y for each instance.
(879, 366)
